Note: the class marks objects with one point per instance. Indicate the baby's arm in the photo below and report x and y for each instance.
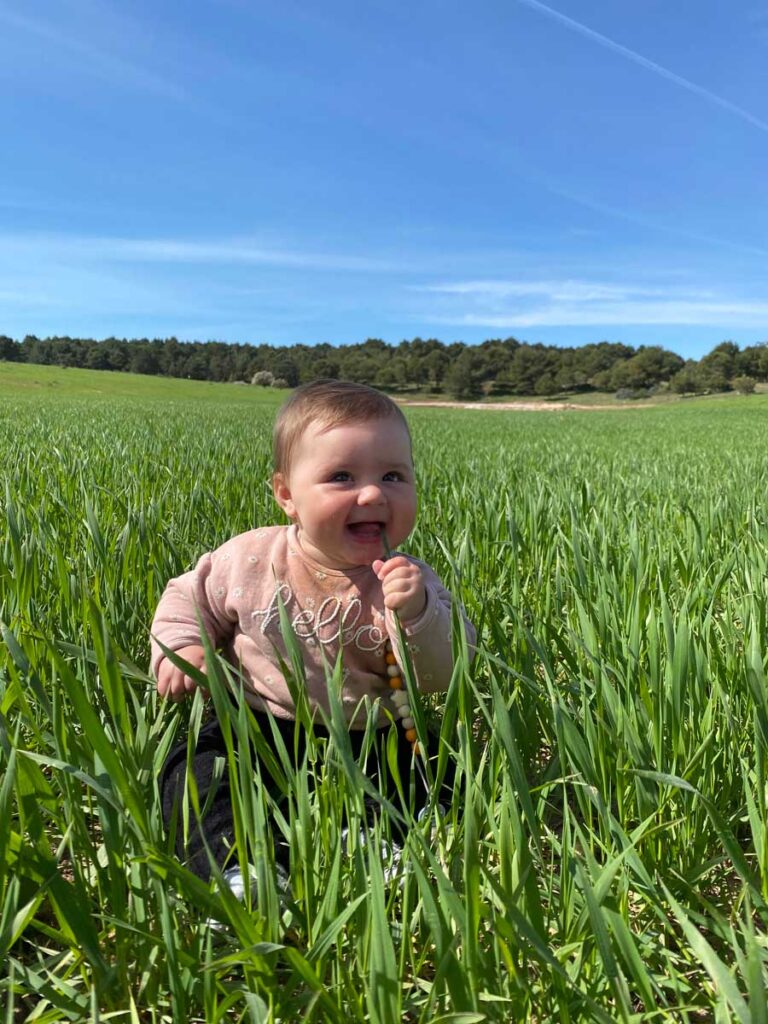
(189, 607)
(424, 608)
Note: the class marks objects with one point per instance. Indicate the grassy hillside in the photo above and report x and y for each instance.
(23, 379)
(19, 379)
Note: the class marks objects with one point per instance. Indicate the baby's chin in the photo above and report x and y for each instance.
(359, 549)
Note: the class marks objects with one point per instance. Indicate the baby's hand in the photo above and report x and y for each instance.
(172, 682)
(403, 585)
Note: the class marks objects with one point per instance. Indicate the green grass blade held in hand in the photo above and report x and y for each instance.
(412, 686)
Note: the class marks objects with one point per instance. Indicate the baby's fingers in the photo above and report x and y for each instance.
(170, 684)
(385, 569)
(175, 685)
(398, 585)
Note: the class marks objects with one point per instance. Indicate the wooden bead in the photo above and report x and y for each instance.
(395, 682)
(404, 711)
(390, 658)
(400, 697)
(393, 670)
(410, 735)
(408, 723)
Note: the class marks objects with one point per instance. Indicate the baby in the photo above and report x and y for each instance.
(343, 475)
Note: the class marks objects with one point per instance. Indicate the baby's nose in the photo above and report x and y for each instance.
(370, 494)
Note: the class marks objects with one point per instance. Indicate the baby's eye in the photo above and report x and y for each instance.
(393, 475)
(342, 476)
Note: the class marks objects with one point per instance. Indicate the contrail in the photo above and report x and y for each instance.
(644, 62)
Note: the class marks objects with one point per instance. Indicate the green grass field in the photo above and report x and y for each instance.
(606, 855)
(53, 383)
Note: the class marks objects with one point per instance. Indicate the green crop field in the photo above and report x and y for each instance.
(606, 854)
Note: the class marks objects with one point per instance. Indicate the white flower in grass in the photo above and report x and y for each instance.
(321, 575)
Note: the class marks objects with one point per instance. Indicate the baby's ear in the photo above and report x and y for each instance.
(282, 493)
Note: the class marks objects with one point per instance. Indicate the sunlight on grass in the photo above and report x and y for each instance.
(606, 854)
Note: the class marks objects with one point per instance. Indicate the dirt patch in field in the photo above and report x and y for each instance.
(523, 406)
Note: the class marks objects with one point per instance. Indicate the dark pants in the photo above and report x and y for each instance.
(217, 829)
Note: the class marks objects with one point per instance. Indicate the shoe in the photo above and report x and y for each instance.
(439, 809)
(236, 882)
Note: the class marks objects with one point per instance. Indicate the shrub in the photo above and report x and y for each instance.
(687, 380)
(263, 379)
(744, 385)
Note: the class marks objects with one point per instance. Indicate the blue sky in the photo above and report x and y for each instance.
(292, 171)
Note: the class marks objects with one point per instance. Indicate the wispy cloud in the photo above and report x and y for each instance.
(573, 303)
(23, 297)
(713, 314)
(649, 65)
(190, 251)
(100, 61)
(561, 291)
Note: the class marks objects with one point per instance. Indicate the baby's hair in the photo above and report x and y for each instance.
(331, 403)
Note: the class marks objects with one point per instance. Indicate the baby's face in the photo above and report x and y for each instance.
(345, 486)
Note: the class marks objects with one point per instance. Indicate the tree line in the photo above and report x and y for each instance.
(493, 367)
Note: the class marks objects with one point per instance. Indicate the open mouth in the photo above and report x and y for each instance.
(366, 531)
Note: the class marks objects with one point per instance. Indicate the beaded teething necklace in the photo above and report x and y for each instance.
(400, 698)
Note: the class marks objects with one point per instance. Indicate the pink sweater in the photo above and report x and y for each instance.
(236, 592)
